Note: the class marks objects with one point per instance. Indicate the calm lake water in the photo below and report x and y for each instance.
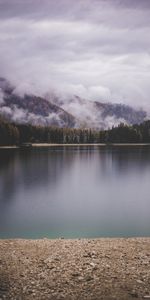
(75, 192)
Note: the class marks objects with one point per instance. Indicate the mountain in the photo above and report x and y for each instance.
(32, 109)
(96, 114)
(70, 112)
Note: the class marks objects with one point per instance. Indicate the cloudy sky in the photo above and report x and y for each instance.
(98, 49)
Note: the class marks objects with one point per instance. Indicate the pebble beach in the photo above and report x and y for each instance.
(105, 268)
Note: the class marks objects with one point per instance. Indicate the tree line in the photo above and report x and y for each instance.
(17, 134)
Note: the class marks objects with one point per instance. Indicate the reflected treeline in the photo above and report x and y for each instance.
(31, 168)
(45, 166)
(126, 158)
(9, 175)
(123, 158)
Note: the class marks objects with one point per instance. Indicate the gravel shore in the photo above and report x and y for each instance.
(75, 269)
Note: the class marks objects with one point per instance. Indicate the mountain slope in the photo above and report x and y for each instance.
(32, 109)
(101, 115)
(71, 112)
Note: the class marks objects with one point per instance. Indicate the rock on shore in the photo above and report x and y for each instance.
(75, 269)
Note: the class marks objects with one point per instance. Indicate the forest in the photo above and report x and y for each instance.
(17, 134)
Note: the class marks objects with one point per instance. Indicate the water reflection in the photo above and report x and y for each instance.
(30, 169)
(75, 191)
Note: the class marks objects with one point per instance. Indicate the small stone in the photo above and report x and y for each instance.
(60, 297)
(86, 255)
(94, 266)
(114, 277)
(50, 267)
(75, 274)
(30, 291)
(90, 254)
(80, 278)
(24, 289)
(139, 281)
(134, 294)
(146, 297)
(88, 278)
(57, 259)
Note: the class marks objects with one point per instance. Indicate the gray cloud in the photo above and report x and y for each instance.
(95, 49)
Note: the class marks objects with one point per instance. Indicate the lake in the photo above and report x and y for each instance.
(76, 191)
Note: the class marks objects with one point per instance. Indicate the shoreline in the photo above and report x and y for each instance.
(71, 269)
(36, 145)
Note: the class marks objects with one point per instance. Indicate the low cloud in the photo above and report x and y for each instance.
(23, 116)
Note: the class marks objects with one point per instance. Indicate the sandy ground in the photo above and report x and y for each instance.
(101, 144)
(76, 145)
(75, 269)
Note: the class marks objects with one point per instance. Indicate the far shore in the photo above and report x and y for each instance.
(77, 269)
(94, 144)
(76, 145)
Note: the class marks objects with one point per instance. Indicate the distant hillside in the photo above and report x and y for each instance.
(33, 110)
(72, 112)
(100, 115)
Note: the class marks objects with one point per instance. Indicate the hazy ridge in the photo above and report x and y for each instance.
(72, 112)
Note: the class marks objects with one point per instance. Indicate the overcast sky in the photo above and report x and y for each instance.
(98, 49)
